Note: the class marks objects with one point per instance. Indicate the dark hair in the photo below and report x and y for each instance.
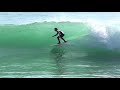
(55, 29)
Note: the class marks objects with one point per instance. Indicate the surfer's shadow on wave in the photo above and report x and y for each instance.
(57, 54)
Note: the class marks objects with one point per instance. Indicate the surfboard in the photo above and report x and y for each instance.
(59, 44)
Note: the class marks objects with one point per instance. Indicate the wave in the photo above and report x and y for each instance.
(39, 35)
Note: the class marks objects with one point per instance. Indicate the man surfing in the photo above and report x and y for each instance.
(60, 35)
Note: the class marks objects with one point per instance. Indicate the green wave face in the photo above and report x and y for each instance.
(38, 34)
(29, 50)
(26, 51)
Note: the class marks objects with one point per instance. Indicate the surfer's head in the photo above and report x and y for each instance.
(55, 29)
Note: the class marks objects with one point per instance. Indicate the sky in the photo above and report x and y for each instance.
(30, 17)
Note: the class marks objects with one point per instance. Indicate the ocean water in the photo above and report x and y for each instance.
(27, 47)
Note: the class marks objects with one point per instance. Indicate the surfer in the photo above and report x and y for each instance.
(60, 35)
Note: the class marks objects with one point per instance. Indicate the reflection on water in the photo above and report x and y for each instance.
(57, 53)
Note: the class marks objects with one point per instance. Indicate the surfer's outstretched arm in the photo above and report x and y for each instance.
(55, 34)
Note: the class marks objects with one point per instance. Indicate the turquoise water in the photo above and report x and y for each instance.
(27, 51)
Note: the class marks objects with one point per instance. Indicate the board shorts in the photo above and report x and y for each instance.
(61, 36)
